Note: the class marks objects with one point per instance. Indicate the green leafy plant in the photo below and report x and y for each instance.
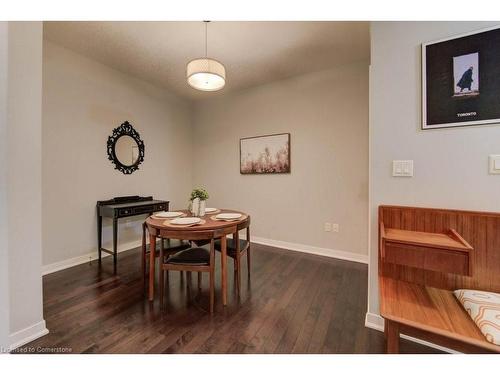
(199, 193)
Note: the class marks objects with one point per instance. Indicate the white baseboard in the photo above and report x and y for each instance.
(28, 334)
(338, 254)
(344, 255)
(375, 321)
(58, 266)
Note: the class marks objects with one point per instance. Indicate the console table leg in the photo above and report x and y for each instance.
(115, 241)
(391, 331)
(99, 236)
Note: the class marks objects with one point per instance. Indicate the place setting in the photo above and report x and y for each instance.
(228, 216)
(184, 221)
(168, 215)
(177, 218)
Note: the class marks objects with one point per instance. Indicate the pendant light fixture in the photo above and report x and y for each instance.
(204, 73)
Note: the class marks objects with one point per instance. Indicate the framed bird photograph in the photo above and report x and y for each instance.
(461, 80)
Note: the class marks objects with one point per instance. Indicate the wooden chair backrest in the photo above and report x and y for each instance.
(480, 229)
(241, 226)
(244, 225)
(195, 235)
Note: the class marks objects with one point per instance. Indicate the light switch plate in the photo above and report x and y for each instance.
(402, 168)
(494, 164)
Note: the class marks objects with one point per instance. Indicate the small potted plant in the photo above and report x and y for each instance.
(198, 200)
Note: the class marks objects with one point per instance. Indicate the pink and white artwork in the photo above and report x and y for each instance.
(265, 154)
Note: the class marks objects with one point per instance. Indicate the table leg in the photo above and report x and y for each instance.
(152, 261)
(223, 259)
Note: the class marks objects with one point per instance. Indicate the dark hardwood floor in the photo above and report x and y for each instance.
(294, 303)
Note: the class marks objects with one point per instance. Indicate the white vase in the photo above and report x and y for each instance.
(195, 206)
(198, 207)
(203, 205)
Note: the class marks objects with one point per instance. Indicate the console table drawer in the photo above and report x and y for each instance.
(145, 209)
(125, 212)
(129, 211)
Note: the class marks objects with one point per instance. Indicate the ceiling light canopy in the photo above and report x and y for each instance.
(204, 73)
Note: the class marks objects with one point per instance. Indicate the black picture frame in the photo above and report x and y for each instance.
(461, 80)
(125, 128)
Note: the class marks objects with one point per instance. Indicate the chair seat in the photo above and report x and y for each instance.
(231, 245)
(196, 256)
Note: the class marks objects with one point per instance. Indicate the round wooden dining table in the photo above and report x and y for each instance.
(162, 228)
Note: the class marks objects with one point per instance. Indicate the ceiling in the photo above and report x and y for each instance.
(253, 53)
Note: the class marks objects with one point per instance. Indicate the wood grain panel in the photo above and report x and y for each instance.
(480, 229)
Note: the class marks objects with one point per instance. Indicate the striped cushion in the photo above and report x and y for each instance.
(484, 309)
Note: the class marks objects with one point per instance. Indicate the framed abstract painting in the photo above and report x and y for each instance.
(266, 154)
(461, 80)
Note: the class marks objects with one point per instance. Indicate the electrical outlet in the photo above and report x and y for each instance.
(335, 228)
(328, 227)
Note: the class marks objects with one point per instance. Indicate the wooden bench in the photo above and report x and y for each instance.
(415, 288)
(430, 314)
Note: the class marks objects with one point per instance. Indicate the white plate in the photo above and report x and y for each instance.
(228, 216)
(208, 210)
(185, 220)
(168, 214)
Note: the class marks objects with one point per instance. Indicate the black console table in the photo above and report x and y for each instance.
(120, 207)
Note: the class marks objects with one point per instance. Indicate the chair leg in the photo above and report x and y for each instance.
(235, 273)
(143, 266)
(162, 284)
(248, 262)
(188, 281)
(212, 291)
(199, 281)
(237, 266)
(143, 256)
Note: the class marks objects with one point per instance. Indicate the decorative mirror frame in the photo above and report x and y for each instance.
(125, 128)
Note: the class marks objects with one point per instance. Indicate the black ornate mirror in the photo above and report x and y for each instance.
(125, 148)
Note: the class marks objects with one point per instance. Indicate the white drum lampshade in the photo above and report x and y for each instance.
(206, 74)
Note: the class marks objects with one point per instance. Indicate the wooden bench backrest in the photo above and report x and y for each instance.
(480, 229)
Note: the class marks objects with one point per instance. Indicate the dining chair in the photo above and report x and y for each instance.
(170, 247)
(194, 259)
(236, 248)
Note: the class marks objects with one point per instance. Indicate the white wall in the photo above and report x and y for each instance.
(21, 197)
(4, 243)
(327, 116)
(83, 101)
(451, 165)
